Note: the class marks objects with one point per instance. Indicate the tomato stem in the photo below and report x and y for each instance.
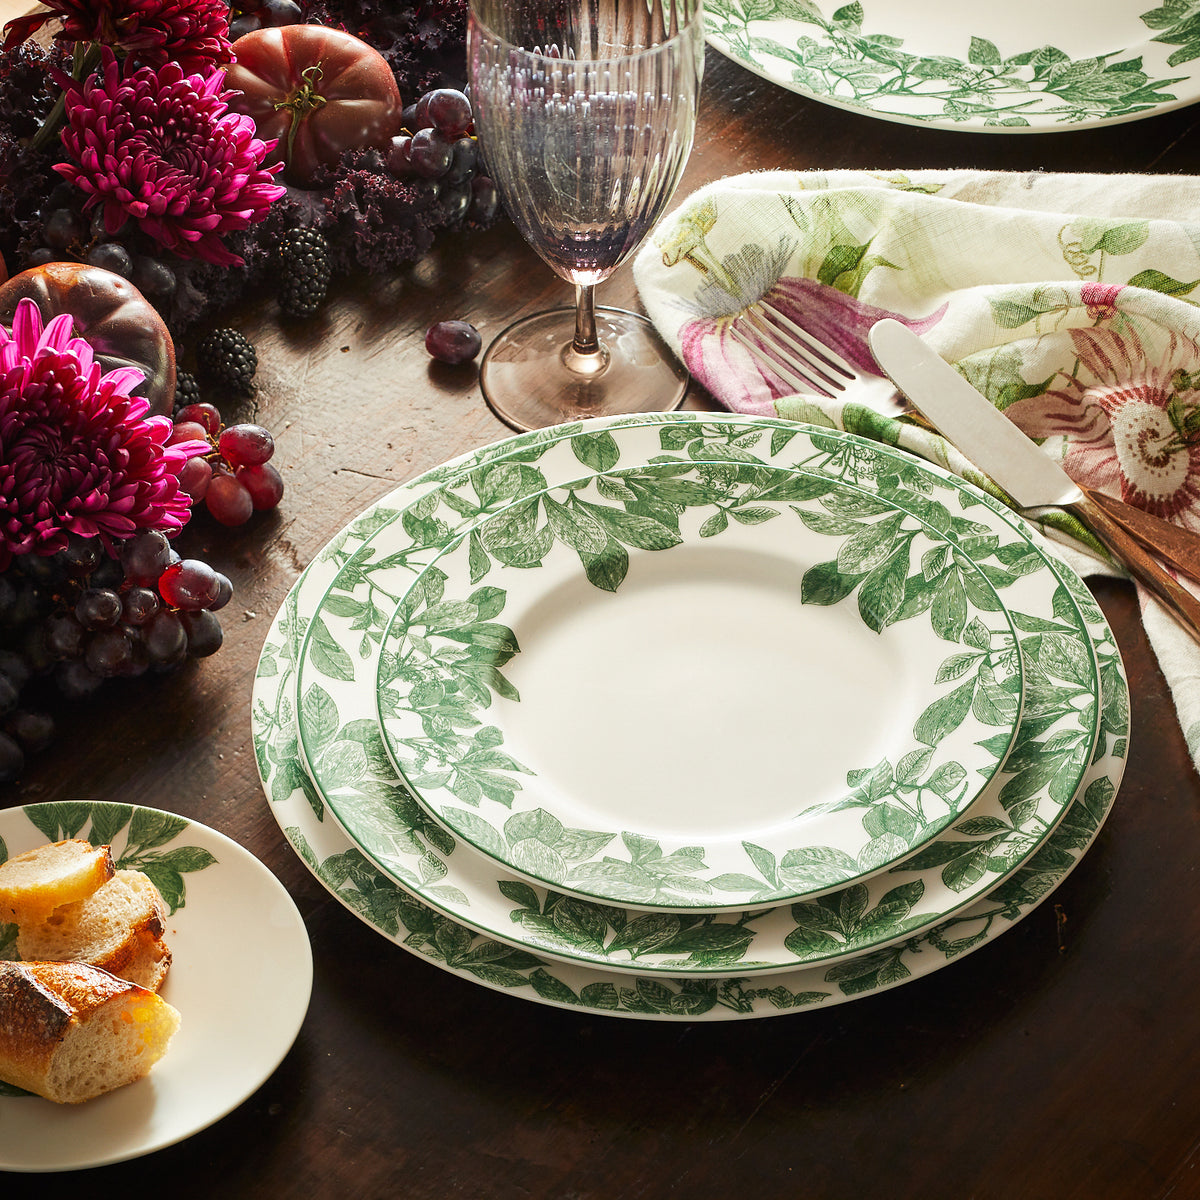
(302, 102)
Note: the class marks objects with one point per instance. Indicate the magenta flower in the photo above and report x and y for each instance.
(193, 33)
(163, 148)
(77, 453)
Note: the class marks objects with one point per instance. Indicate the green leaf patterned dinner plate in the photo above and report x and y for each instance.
(1023, 66)
(641, 686)
(400, 916)
(340, 601)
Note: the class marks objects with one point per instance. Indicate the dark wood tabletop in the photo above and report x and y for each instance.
(1058, 1062)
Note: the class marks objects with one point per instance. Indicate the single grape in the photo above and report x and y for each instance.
(264, 483)
(464, 158)
(274, 13)
(62, 228)
(111, 256)
(454, 201)
(246, 23)
(42, 569)
(246, 445)
(33, 650)
(76, 680)
(191, 584)
(399, 158)
(453, 341)
(15, 667)
(109, 652)
(41, 256)
(64, 635)
(224, 593)
(98, 608)
(8, 598)
(204, 636)
(32, 729)
(194, 477)
(187, 431)
(153, 278)
(145, 557)
(165, 640)
(139, 656)
(206, 415)
(81, 556)
(431, 153)
(9, 695)
(449, 111)
(12, 759)
(485, 200)
(109, 574)
(139, 605)
(228, 500)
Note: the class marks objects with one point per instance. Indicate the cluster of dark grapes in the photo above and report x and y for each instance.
(245, 16)
(236, 479)
(68, 235)
(81, 616)
(439, 153)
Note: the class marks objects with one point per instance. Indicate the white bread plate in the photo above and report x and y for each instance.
(241, 979)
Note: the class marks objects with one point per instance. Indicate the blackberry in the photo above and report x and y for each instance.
(226, 357)
(187, 390)
(304, 271)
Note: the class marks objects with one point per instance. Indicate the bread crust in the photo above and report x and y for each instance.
(45, 1008)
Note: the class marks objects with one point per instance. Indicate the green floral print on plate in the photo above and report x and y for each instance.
(479, 957)
(550, 688)
(1019, 67)
(349, 759)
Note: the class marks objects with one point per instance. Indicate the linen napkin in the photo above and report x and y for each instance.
(1068, 300)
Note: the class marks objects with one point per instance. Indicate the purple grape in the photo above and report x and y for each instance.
(431, 153)
(464, 158)
(449, 111)
(64, 635)
(15, 667)
(9, 695)
(98, 608)
(111, 256)
(33, 730)
(165, 640)
(204, 636)
(453, 342)
(75, 680)
(190, 585)
(399, 159)
(81, 556)
(62, 228)
(145, 557)
(274, 13)
(224, 593)
(454, 201)
(109, 652)
(485, 200)
(139, 605)
(153, 277)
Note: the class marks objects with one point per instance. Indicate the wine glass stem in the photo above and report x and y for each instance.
(585, 355)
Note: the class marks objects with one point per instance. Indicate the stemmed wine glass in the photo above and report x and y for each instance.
(585, 111)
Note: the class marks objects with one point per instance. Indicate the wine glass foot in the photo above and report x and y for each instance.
(532, 379)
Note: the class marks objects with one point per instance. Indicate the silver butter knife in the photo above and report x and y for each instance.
(989, 439)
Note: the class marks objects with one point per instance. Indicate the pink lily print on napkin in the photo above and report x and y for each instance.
(826, 307)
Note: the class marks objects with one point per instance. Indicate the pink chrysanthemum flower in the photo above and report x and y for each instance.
(193, 33)
(163, 148)
(77, 452)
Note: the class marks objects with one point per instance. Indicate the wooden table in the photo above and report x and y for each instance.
(1058, 1062)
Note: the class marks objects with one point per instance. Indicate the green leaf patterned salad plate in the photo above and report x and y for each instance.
(1036, 853)
(230, 919)
(342, 597)
(551, 688)
(1021, 67)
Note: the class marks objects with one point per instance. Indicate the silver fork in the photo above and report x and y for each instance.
(798, 360)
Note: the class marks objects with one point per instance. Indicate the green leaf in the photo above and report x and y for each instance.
(596, 450)
(319, 715)
(1156, 281)
(944, 715)
(519, 893)
(327, 655)
(983, 53)
(825, 584)
(1115, 239)
(607, 569)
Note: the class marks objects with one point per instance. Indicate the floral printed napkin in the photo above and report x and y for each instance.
(1070, 301)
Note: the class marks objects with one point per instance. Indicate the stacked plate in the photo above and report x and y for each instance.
(689, 716)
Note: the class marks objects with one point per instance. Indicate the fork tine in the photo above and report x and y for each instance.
(801, 341)
(791, 377)
(795, 353)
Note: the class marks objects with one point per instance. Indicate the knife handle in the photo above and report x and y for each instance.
(1178, 546)
(1179, 602)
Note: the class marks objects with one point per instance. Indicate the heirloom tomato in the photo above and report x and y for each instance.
(122, 327)
(319, 91)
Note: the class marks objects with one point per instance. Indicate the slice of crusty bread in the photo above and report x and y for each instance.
(70, 1031)
(35, 883)
(119, 927)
